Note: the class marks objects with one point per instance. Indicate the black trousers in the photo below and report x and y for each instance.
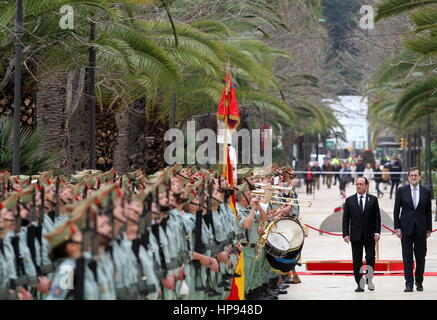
(357, 256)
(395, 186)
(416, 245)
(377, 188)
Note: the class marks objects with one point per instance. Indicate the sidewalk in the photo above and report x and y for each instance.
(327, 247)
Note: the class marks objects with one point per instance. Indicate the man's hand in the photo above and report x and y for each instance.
(168, 283)
(347, 239)
(428, 234)
(223, 257)
(180, 275)
(399, 234)
(23, 294)
(377, 236)
(260, 230)
(214, 266)
(43, 285)
(254, 203)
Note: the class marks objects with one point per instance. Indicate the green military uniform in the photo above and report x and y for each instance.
(5, 265)
(148, 272)
(167, 249)
(234, 232)
(176, 230)
(126, 272)
(91, 281)
(199, 277)
(26, 272)
(188, 226)
(221, 235)
(62, 281)
(153, 251)
(251, 266)
(105, 274)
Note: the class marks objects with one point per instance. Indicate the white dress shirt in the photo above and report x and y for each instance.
(364, 201)
(417, 195)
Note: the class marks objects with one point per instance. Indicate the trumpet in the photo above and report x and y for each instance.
(270, 187)
(258, 192)
(290, 201)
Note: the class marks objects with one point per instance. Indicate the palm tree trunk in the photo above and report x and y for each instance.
(155, 145)
(62, 121)
(51, 116)
(129, 152)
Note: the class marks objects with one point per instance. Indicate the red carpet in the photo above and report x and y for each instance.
(426, 274)
(346, 266)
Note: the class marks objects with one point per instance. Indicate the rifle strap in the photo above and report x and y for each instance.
(18, 259)
(79, 279)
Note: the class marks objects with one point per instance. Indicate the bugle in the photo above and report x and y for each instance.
(290, 201)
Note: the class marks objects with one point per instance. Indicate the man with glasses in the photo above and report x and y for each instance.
(413, 224)
(362, 228)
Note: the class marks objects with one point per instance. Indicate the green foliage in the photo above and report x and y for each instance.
(410, 74)
(341, 20)
(31, 160)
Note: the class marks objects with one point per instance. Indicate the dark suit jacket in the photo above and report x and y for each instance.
(357, 224)
(421, 216)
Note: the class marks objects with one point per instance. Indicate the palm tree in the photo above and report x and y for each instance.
(138, 60)
(412, 68)
(32, 160)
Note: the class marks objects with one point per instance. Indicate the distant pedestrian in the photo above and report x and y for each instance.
(386, 177)
(360, 168)
(378, 178)
(368, 172)
(316, 175)
(395, 178)
(344, 178)
(353, 169)
(336, 167)
(309, 180)
(328, 167)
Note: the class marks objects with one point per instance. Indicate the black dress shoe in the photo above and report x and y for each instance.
(408, 289)
(359, 289)
(276, 292)
(264, 298)
(419, 287)
(283, 286)
(370, 285)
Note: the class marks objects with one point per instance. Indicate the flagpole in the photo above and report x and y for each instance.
(225, 145)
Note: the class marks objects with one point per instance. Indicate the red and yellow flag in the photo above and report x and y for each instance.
(229, 113)
(237, 288)
(228, 108)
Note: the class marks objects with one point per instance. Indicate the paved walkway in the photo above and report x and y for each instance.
(327, 247)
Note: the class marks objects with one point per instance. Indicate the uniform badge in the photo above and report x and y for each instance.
(57, 292)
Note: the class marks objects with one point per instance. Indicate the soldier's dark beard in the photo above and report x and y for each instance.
(24, 222)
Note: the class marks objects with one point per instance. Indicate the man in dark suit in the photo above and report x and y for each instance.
(362, 228)
(413, 227)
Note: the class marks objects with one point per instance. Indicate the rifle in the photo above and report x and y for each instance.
(57, 197)
(33, 208)
(110, 213)
(198, 245)
(42, 206)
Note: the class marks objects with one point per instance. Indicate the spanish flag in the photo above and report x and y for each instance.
(237, 288)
